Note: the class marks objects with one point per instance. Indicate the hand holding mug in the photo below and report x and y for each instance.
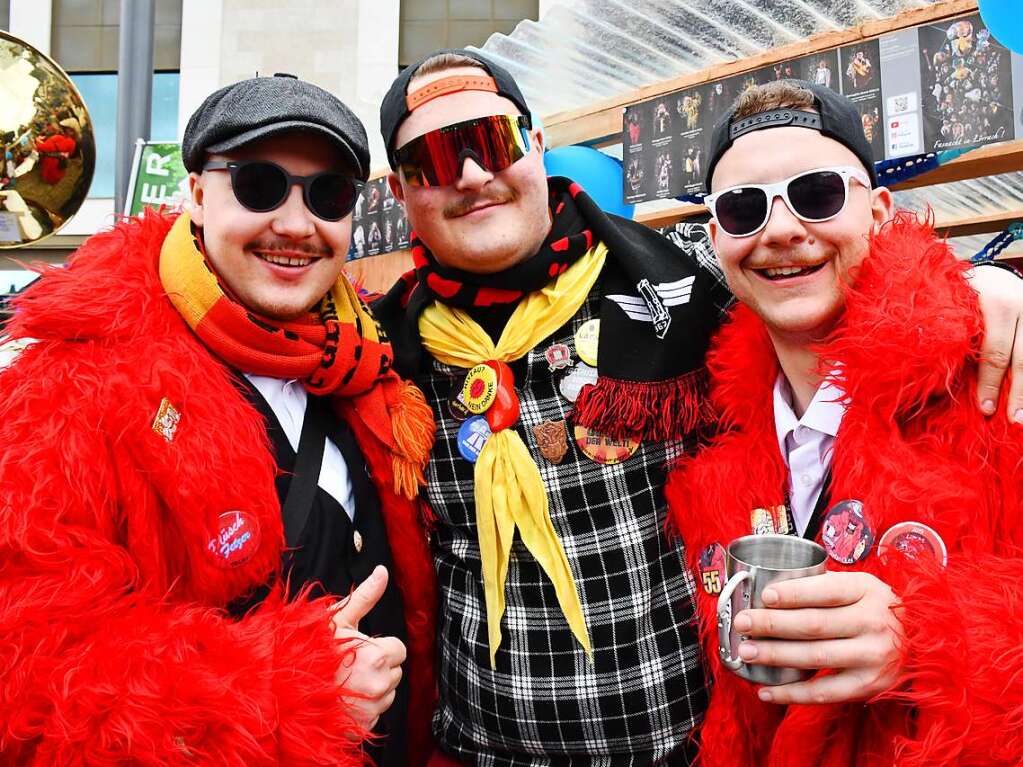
(846, 621)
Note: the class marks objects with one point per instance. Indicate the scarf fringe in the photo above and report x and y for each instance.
(648, 410)
(414, 431)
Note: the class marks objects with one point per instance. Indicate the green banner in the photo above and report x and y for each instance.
(158, 178)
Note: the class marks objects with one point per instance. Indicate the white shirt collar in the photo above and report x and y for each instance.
(824, 414)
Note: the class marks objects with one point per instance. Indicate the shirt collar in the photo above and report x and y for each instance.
(824, 414)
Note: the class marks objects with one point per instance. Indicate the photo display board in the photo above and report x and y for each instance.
(378, 222)
(947, 85)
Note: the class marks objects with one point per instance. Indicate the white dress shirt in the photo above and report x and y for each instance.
(288, 400)
(806, 443)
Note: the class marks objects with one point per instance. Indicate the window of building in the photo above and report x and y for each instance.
(85, 43)
(427, 25)
(99, 91)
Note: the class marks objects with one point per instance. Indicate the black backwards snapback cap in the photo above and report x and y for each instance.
(836, 117)
(397, 105)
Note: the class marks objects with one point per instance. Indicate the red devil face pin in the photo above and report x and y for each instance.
(846, 533)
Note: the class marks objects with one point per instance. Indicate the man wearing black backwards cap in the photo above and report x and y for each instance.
(567, 629)
(208, 471)
(845, 377)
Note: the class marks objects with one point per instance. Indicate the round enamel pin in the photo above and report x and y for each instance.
(846, 533)
(479, 389)
(601, 448)
(472, 436)
(712, 568)
(237, 539)
(574, 379)
(586, 338)
(915, 540)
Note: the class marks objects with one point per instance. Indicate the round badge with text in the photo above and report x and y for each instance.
(915, 540)
(574, 379)
(586, 340)
(479, 389)
(603, 449)
(472, 436)
(237, 538)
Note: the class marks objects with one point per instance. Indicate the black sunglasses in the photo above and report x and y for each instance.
(813, 196)
(262, 186)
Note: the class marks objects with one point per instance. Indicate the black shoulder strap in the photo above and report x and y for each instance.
(813, 527)
(308, 460)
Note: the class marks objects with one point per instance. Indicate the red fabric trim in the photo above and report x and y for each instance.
(656, 411)
(489, 296)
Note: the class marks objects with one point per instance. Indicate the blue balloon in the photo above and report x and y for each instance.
(1002, 18)
(596, 172)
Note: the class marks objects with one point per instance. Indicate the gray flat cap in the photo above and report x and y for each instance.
(265, 106)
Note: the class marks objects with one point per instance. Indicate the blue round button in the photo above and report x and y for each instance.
(472, 436)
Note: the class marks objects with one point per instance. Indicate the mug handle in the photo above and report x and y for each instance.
(725, 620)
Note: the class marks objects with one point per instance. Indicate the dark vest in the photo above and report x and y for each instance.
(326, 555)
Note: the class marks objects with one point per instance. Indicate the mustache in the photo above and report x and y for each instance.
(317, 251)
(465, 204)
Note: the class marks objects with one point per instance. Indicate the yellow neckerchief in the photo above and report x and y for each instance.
(509, 490)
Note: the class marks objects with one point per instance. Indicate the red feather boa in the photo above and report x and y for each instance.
(912, 446)
(115, 648)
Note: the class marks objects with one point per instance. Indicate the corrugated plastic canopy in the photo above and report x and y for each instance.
(587, 51)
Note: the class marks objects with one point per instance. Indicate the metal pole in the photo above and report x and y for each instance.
(134, 87)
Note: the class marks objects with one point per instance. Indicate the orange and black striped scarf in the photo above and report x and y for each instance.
(338, 350)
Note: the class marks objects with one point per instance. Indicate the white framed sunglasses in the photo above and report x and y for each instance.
(812, 196)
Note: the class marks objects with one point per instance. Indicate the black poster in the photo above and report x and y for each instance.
(636, 140)
(966, 85)
(860, 70)
(378, 222)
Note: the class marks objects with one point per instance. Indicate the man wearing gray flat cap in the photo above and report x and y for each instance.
(209, 474)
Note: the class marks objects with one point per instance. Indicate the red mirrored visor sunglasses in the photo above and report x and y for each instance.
(436, 158)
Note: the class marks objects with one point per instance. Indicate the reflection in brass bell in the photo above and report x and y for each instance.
(47, 147)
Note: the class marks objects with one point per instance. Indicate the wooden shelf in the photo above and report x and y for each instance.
(990, 224)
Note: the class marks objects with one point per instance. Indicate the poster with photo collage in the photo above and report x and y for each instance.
(666, 140)
(378, 222)
(946, 85)
(966, 85)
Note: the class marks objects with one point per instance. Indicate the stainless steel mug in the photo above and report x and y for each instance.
(754, 562)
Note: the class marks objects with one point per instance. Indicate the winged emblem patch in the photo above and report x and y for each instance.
(651, 305)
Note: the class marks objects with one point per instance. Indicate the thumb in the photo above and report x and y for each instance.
(362, 600)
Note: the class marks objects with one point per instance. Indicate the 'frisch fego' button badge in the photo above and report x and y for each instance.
(237, 538)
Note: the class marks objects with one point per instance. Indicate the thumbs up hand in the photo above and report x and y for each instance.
(372, 676)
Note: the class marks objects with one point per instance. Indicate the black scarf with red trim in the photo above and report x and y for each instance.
(656, 315)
